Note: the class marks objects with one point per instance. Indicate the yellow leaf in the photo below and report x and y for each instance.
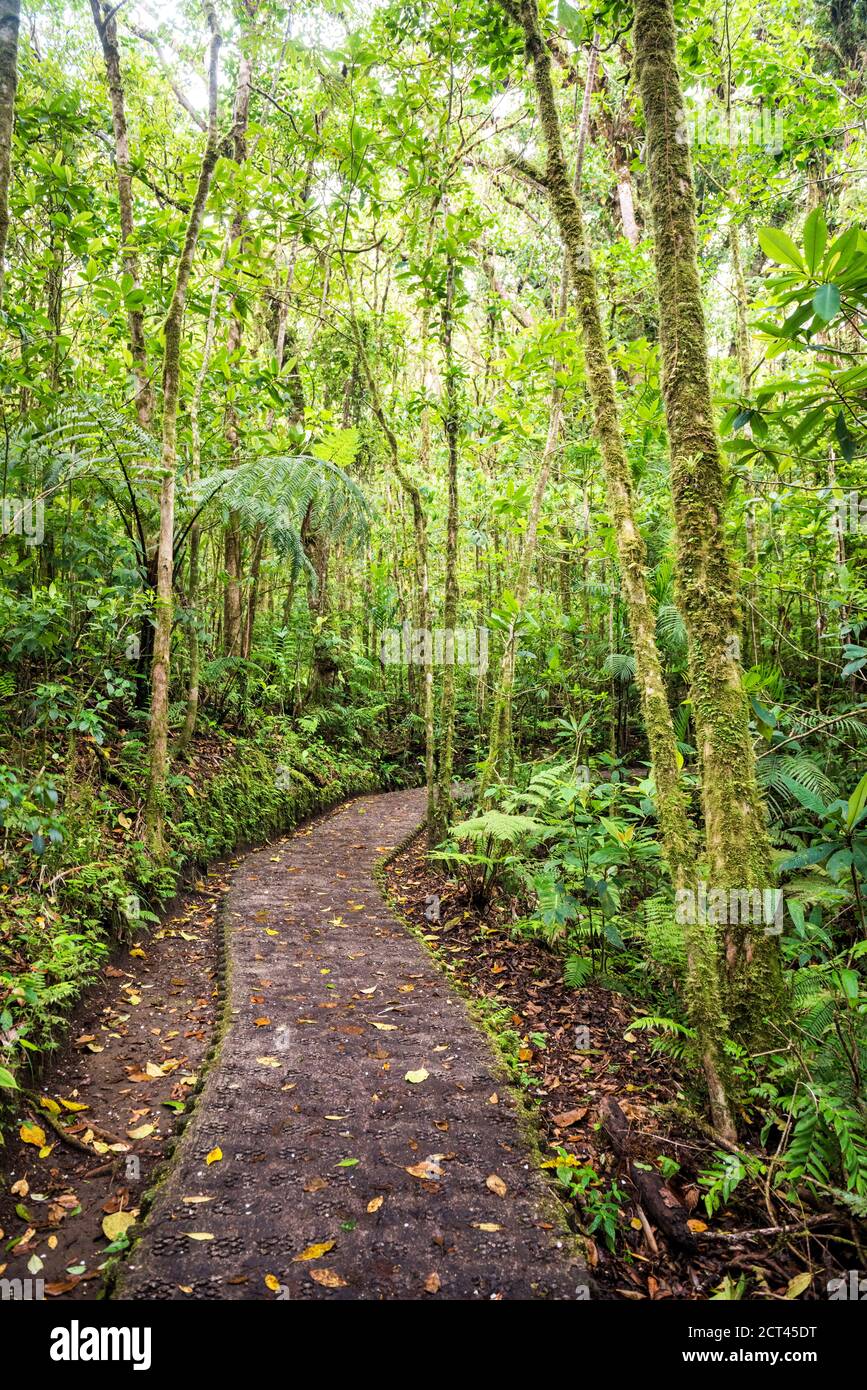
(328, 1278)
(215, 1156)
(50, 1105)
(138, 953)
(496, 1184)
(375, 1204)
(315, 1252)
(72, 1104)
(417, 1076)
(486, 1226)
(154, 1070)
(198, 1235)
(45, 1150)
(141, 1132)
(268, 1061)
(118, 1223)
(272, 1282)
(796, 1286)
(32, 1134)
(432, 1283)
(386, 1027)
(696, 1226)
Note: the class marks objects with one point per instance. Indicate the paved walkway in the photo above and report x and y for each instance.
(414, 1189)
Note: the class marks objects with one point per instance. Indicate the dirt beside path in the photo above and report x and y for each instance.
(352, 1139)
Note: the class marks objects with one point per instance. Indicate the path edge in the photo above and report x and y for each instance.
(112, 1286)
(551, 1205)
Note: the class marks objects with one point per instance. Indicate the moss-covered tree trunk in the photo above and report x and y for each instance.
(738, 849)
(173, 336)
(450, 604)
(10, 19)
(233, 544)
(676, 832)
(106, 28)
(422, 568)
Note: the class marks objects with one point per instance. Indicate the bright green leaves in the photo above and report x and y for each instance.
(779, 247)
(826, 302)
(818, 282)
(571, 20)
(815, 239)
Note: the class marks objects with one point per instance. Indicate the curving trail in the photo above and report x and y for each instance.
(332, 1003)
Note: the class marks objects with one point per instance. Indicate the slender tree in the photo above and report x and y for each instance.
(10, 19)
(173, 335)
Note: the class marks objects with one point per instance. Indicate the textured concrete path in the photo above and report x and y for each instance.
(416, 1190)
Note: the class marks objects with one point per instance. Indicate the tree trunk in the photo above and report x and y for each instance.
(106, 28)
(10, 18)
(450, 604)
(173, 332)
(739, 852)
(233, 551)
(676, 833)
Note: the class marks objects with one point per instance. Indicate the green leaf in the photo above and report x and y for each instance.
(826, 302)
(815, 238)
(571, 20)
(8, 1080)
(779, 247)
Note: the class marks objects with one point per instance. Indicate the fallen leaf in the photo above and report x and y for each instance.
(315, 1252)
(570, 1117)
(375, 1203)
(54, 1290)
(697, 1226)
(32, 1134)
(141, 1132)
(796, 1286)
(496, 1184)
(432, 1283)
(215, 1156)
(486, 1226)
(272, 1283)
(329, 1278)
(199, 1235)
(118, 1223)
(417, 1076)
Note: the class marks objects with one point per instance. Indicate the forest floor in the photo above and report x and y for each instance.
(352, 1138)
(573, 1055)
(347, 1129)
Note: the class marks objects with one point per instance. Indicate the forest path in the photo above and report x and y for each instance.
(332, 1002)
